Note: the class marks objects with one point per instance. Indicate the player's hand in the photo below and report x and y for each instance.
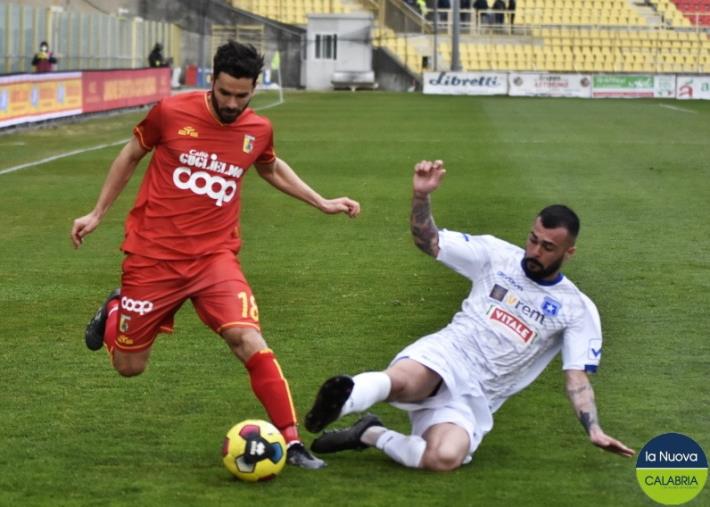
(604, 441)
(341, 205)
(83, 226)
(428, 176)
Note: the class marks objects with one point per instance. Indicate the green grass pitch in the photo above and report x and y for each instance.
(343, 296)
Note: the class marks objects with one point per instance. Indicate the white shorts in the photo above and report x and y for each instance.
(459, 400)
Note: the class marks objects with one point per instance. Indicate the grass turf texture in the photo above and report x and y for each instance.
(339, 296)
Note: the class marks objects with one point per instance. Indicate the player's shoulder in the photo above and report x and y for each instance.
(180, 101)
(574, 294)
(252, 118)
(478, 242)
(499, 245)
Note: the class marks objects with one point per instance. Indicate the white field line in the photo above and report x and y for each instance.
(61, 155)
(676, 108)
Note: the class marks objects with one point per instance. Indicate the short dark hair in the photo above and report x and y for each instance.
(238, 60)
(559, 215)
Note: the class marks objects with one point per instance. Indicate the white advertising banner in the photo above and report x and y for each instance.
(693, 87)
(550, 85)
(633, 86)
(466, 83)
(664, 87)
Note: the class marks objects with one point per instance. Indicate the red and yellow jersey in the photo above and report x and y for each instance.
(188, 203)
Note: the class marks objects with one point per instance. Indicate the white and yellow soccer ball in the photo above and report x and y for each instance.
(254, 450)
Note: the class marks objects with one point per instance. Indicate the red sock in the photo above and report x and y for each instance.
(111, 330)
(270, 386)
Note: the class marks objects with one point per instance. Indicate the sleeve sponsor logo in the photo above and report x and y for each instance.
(594, 352)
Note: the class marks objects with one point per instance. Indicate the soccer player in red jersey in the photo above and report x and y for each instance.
(182, 235)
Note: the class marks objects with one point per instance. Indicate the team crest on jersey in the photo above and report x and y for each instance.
(550, 307)
(248, 146)
(188, 131)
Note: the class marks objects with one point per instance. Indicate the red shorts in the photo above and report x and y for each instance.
(153, 290)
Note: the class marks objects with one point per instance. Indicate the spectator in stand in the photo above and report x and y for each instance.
(423, 7)
(481, 6)
(511, 10)
(156, 58)
(44, 60)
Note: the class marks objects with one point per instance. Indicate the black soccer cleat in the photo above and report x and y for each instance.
(347, 439)
(94, 334)
(329, 402)
(297, 455)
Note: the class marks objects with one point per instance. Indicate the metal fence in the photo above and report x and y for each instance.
(80, 40)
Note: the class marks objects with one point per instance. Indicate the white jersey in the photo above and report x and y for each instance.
(510, 327)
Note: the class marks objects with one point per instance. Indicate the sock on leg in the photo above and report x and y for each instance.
(405, 450)
(369, 388)
(271, 388)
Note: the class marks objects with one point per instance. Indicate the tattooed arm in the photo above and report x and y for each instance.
(427, 178)
(581, 396)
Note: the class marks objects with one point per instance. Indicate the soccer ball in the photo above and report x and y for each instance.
(254, 450)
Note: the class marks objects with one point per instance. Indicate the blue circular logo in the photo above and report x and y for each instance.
(672, 469)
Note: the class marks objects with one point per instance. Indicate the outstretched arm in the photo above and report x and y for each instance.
(427, 178)
(279, 174)
(119, 174)
(581, 396)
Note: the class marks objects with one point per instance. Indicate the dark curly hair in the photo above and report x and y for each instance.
(238, 60)
(559, 215)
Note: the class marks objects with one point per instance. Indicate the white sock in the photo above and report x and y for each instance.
(370, 388)
(405, 450)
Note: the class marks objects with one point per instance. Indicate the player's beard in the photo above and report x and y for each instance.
(535, 270)
(226, 114)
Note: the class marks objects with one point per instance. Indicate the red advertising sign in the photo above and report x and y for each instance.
(114, 89)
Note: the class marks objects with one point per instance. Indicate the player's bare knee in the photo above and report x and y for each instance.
(244, 342)
(441, 458)
(129, 369)
(130, 365)
(398, 385)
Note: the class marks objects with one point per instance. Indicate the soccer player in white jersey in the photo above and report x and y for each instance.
(520, 313)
